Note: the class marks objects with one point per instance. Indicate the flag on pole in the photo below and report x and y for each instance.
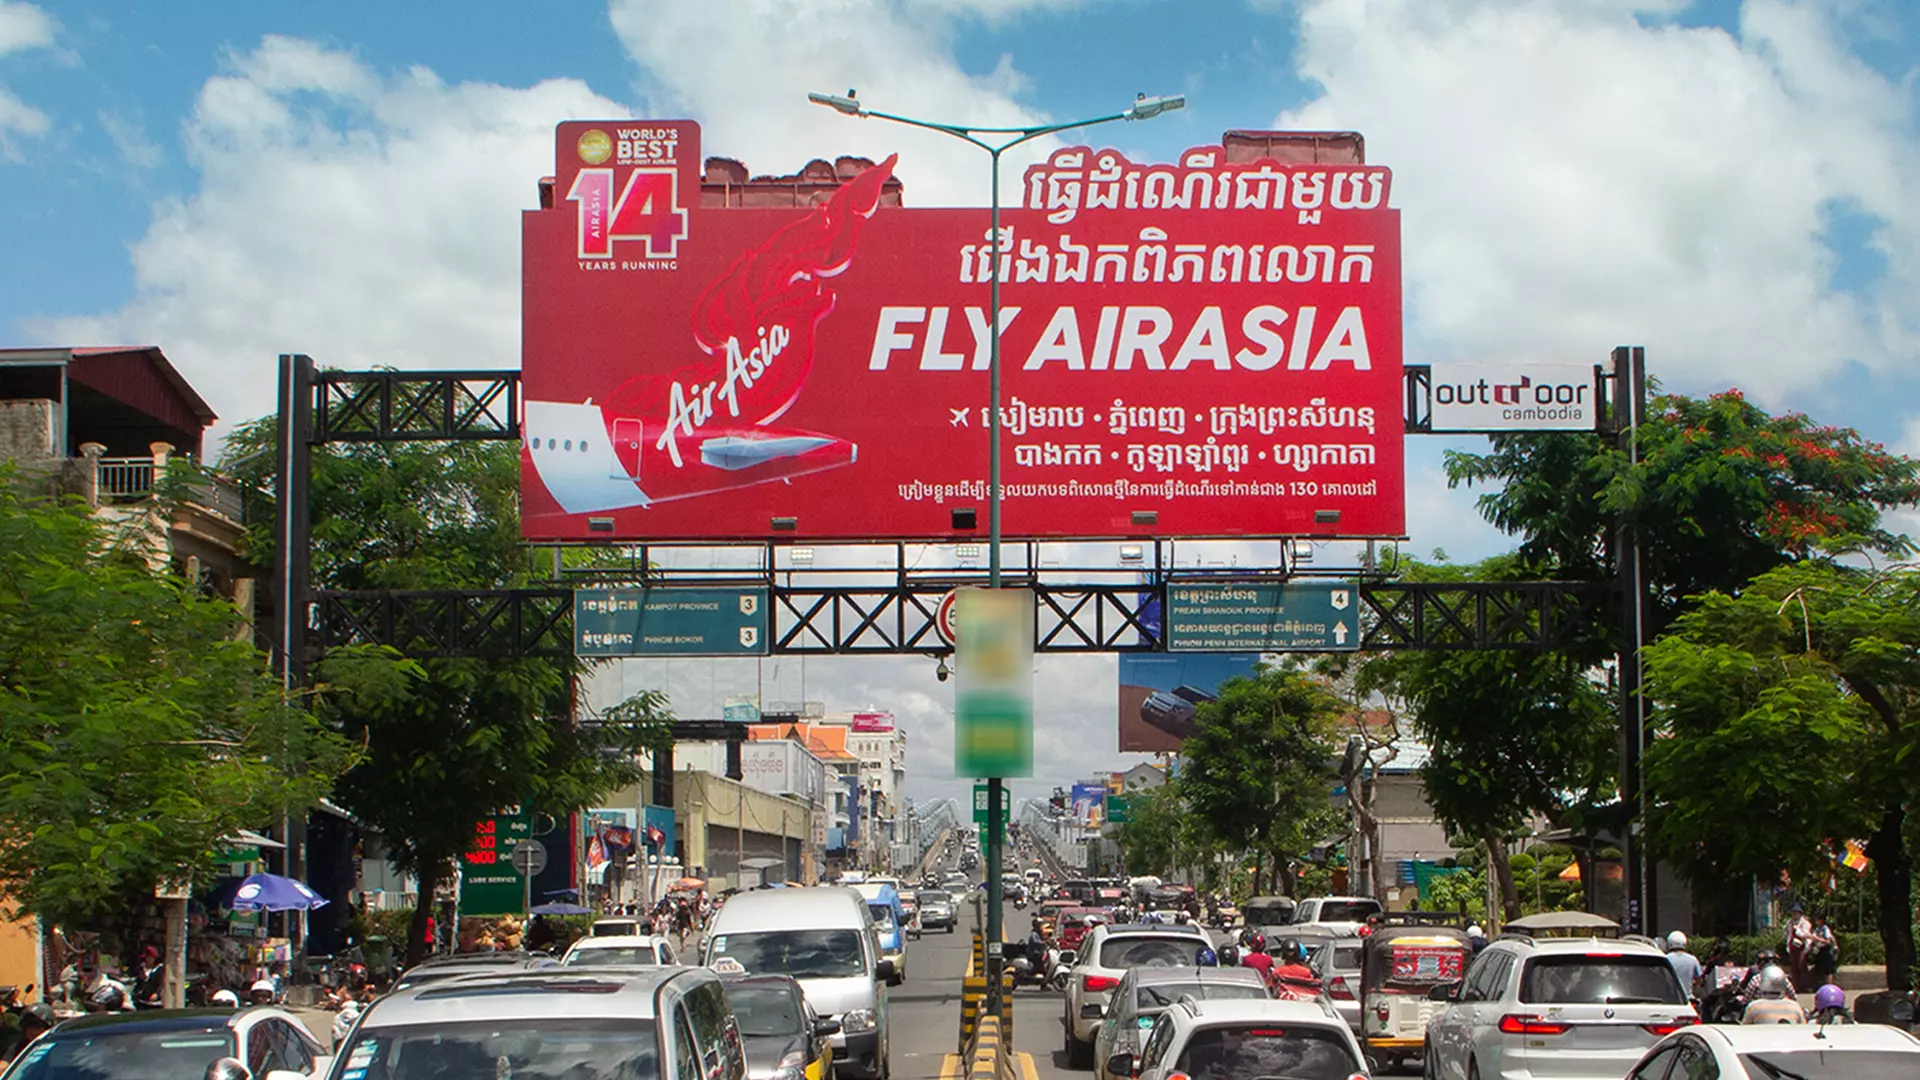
(1856, 857)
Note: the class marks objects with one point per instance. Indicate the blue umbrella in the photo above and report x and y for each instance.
(275, 893)
(557, 908)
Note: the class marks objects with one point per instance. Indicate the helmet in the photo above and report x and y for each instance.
(227, 998)
(1290, 951)
(1205, 957)
(1829, 997)
(1765, 957)
(1676, 941)
(1773, 981)
(226, 1068)
(1258, 943)
(1475, 931)
(261, 984)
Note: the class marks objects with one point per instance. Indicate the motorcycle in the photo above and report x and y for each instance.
(1060, 969)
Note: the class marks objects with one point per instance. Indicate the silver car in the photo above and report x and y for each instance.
(1337, 964)
(1107, 953)
(1145, 993)
(635, 1021)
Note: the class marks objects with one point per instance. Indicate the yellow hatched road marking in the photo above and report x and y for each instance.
(1027, 1069)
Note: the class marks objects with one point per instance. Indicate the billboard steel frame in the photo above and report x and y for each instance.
(899, 618)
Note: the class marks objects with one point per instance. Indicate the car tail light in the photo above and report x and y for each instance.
(1338, 990)
(1095, 983)
(1672, 1026)
(1515, 1024)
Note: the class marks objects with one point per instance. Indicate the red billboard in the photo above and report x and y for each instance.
(1204, 349)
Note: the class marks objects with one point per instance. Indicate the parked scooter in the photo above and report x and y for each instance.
(1060, 970)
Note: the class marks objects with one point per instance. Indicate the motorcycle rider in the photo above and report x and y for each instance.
(1256, 957)
(1775, 1005)
(1762, 960)
(1292, 977)
(1830, 1006)
(1686, 966)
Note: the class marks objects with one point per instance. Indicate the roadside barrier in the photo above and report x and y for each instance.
(991, 1055)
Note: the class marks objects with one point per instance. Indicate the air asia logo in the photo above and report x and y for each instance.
(648, 207)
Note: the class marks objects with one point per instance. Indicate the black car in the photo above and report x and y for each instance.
(784, 1040)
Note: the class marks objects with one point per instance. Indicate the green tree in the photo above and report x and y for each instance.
(1161, 835)
(1259, 768)
(138, 724)
(1510, 734)
(447, 741)
(1722, 492)
(1789, 716)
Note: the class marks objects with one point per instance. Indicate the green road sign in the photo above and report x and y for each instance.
(1119, 809)
(489, 885)
(980, 804)
(1295, 617)
(670, 622)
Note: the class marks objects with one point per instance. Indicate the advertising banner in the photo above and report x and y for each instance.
(1513, 397)
(1161, 694)
(1089, 801)
(1195, 349)
(489, 885)
(873, 721)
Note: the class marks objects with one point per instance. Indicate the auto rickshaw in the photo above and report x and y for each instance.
(1405, 955)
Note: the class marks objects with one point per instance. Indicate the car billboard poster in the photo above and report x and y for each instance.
(1197, 348)
(1161, 694)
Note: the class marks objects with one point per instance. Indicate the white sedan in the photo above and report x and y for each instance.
(1782, 1052)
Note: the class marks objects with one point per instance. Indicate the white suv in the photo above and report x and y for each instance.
(1107, 953)
(1233, 1040)
(1561, 1007)
(1341, 914)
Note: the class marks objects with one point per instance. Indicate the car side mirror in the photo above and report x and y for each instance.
(1120, 1065)
(823, 1028)
(883, 971)
(1444, 992)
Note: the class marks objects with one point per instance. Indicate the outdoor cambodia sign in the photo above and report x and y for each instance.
(1493, 397)
(1203, 348)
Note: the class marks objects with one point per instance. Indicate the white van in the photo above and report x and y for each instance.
(823, 937)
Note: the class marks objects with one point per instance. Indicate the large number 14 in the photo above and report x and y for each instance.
(648, 209)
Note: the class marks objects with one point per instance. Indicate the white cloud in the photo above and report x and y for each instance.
(24, 26)
(1574, 178)
(745, 70)
(135, 148)
(362, 218)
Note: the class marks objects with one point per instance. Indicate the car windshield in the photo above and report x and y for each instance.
(1346, 958)
(1832, 1064)
(1267, 1050)
(123, 1054)
(1347, 910)
(882, 916)
(934, 897)
(617, 954)
(1161, 995)
(1132, 951)
(1582, 979)
(765, 1008)
(803, 954)
(549, 1047)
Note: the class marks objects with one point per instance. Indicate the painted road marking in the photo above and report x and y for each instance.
(950, 1067)
(1027, 1069)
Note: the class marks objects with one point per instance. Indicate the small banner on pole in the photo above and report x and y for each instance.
(993, 695)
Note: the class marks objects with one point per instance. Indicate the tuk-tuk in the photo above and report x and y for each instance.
(1268, 911)
(1405, 955)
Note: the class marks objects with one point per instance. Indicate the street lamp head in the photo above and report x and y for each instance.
(837, 103)
(1146, 108)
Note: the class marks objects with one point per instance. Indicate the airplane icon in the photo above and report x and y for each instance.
(589, 465)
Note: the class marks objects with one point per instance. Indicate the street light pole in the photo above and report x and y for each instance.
(999, 141)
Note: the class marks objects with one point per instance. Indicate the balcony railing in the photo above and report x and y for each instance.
(128, 480)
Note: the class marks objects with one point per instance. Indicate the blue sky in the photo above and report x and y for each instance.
(1726, 182)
